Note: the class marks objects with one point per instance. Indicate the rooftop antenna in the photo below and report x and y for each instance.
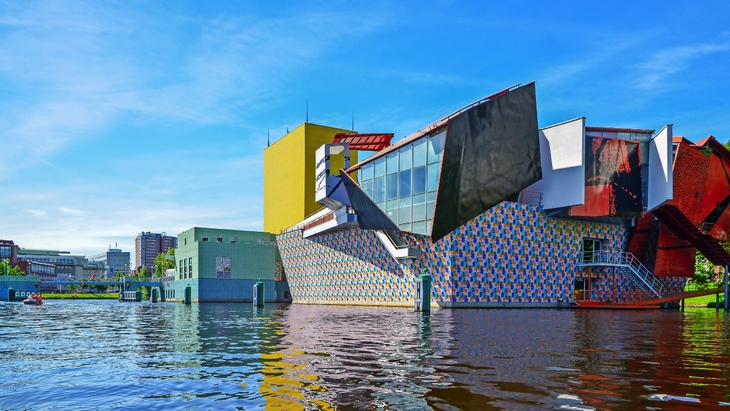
(268, 138)
(306, 118)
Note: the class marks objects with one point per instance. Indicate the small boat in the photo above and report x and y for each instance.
(32, 301)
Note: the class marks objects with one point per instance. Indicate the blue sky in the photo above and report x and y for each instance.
(121, 117)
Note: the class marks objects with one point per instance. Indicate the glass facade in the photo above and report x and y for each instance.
(403, 183)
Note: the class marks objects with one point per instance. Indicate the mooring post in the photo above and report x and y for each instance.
(258, 293)
(726, 290)
(422, 301)
(188, 295)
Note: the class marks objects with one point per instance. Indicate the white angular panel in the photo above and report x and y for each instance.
(563, 168)
(660, 182)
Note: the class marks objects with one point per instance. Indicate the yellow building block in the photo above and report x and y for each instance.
(289, 171)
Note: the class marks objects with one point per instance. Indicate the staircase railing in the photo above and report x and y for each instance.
(622, 259)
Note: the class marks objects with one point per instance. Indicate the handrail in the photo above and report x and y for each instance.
(625, 259)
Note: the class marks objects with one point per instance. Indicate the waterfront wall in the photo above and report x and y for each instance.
(511, 255)
(214, 290)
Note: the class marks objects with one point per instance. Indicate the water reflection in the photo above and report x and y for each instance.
(76, 355)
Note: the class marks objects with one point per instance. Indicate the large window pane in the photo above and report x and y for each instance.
(419, 180)
(404, 183)
(405, 227)
(419, 153)
(433, 177)
(436, 146)
(379, 189)
(392, 163)
(420, 228)
(391, 210)
(366, 172)
(391, 186)
(404, 210)
(405, 158)
(430, 202)
(419, 207)
(379, 167)
(367, 187)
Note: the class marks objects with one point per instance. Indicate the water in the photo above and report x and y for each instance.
(110, 355)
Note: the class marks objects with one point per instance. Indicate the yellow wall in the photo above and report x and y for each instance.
(289, 168)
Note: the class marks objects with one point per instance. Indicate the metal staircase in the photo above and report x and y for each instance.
(403, 253)
(626, 260)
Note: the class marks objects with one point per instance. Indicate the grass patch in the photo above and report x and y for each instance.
(705, 300)
(100, 296)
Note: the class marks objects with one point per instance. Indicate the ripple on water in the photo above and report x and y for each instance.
(106, 354)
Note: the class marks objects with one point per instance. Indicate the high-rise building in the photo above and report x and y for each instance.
(115, 261)
(148, 245)
(289, 168)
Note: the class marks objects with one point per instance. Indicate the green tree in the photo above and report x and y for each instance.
(162, 263)
(11, 270)
(143, 272)
(704, 270)
(727, 145)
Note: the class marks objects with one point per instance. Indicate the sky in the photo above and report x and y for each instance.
(123, 117)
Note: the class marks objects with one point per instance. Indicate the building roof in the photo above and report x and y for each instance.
(429, 129)
(620, 130)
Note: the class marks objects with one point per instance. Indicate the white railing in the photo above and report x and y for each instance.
(622, 259)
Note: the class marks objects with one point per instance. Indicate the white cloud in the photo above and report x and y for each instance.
(663, 64)
(37, 213)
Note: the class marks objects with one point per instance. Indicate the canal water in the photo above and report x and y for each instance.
(140, 356)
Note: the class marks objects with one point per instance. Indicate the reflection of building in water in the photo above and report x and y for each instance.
(223, 265)
(503, 214)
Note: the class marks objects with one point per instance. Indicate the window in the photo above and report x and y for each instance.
(204, 238)
(405, 158)
(379, 167)
(234, 240)
(419, 180)
(392, 163)
(433, 177)
(366, 172)
(391, 186)
(404, 183)
(436, 146)
(419, 153)
(367, 187)
(190, 263)
(591, 248)
(379, 189)
(219, 239)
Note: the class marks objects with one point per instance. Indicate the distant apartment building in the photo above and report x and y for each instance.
(115, 261)
(7, 251)
(46, 272)
(68, 266)
(148, 245)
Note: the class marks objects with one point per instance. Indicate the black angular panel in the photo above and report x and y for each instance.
(369, 215)
(491, 153)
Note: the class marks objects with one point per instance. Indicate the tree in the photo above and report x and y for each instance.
(162, 263)
(143, 272)
(12, 270)
(704, 270)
